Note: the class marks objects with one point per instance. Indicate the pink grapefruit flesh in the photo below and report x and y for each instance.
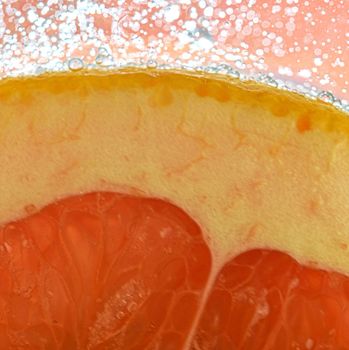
(111, 271)
(158, 210)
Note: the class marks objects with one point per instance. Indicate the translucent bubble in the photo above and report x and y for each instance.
(224, 68)
(211, 69)
(326, 96)
(338, 103)
(240, 64)
(171, 12)
(103, 51)
(40, 70)
(204, 22)
(75, 64)
(163, 66)
(152, 63)
(104, 60)
(235, 73)
(58, 66)
(268, 79)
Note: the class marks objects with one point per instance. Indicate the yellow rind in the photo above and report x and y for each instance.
(253, 165)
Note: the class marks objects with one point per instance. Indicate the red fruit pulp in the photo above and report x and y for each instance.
(111, 271)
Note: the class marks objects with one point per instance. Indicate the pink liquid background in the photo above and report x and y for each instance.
(299, 41)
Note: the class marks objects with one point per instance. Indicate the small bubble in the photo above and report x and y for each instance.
(171, 13)
(261, 60)
(163, 66)
(235, 73)
(152, 64)
(58, 66)
(40, 70)
(267, 79)
(240, 64)
(224, 68)
(326, 96)
(104, 60)
(103, 51)
(100, 59)
(75, 64)
(204, 41)
(204, 22)
(211, 69)
(338, 103)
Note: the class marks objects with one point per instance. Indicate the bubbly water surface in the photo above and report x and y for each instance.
(292, 44)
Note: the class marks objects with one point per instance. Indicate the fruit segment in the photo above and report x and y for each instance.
(110, 271)
(101, 271)
(265, 300)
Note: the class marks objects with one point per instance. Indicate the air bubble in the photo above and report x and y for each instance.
(204, 22)
(228, 70)
(163, 66)
(240, 64)
(338, 104)
(326, 96)
(100, 59)
(75, 64)
(152, 64)
(211, 69)
(40, 70)
(235, 74)
(171, 13)
(58, 66)
(104, 60)
(267, 79)
(224, 68)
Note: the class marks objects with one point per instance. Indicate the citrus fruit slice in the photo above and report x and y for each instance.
(162, 210)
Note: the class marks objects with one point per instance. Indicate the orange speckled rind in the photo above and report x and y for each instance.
(316, 113)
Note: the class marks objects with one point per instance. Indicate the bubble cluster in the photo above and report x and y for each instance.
(293, 41)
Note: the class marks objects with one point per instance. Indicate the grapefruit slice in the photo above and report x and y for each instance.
(163, 210)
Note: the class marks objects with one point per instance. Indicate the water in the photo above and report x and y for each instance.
(326, 96)
(76, 64)
(278, 44)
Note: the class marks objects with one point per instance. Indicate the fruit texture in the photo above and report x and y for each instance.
(162, 210)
